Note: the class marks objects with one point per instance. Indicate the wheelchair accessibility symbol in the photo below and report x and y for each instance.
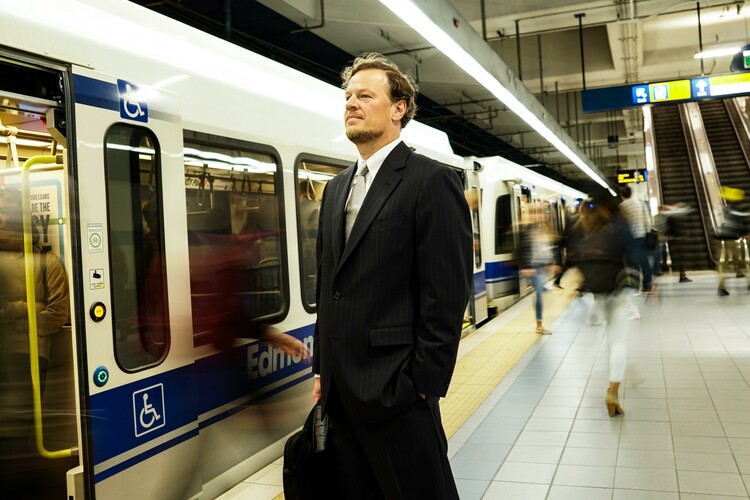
(148, 409)
(133, 105)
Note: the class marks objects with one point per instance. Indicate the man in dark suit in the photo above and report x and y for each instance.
(394, 276)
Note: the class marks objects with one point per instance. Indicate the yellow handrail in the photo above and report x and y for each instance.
(28, 254)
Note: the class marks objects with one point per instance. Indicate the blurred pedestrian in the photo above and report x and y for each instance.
(638, 217)
(602, 247)
(565, 256)
(675, 235)
(21, 470)
(732, 234)
(536, 255)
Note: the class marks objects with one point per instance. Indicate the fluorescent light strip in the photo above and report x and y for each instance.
(717, 52)
(415, 18)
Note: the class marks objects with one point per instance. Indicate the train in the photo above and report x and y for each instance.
(138, 143)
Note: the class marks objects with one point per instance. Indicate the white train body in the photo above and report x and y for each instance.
(509, 193)
(161, 120)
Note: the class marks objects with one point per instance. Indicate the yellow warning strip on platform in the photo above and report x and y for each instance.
(481, 370)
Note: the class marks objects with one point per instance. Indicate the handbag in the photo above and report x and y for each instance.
(652, 237)
(307, 463)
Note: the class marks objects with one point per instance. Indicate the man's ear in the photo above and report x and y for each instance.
(399, 110)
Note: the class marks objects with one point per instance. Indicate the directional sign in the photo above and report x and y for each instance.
(640, 94)
(727, 85)
(704, 87)
(701, 87)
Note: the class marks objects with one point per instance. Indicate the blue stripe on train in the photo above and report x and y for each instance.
(480, 287)
(96, 93)
(190, 391)
(500, 271)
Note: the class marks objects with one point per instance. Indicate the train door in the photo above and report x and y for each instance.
(142, 426)
(478, 303)
(38, 417)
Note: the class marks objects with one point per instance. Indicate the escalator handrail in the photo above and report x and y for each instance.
(733, 104)
(696, 168)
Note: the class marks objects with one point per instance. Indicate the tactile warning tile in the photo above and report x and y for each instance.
(478, 373)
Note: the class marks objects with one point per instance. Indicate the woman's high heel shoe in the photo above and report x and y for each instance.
(613, 401)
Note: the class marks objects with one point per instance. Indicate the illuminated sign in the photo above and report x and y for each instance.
(628, 176)
(704, 87)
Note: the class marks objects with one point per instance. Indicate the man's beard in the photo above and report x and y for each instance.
(363, 136)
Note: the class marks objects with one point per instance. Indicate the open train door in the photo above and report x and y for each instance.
(478, 301)
(141, 426)
(39, 438)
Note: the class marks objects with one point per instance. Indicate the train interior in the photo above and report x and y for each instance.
(27, 94)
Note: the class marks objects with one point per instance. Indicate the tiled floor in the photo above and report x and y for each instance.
(544, 433)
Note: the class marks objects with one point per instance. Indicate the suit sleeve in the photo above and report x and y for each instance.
(444, 260)
(319, 264)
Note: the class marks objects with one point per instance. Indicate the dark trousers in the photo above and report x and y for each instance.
(401, 458)
(677, 253)
(640, 256)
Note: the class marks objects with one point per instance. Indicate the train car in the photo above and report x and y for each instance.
(510, 194)
(143, 149)
(170, 173)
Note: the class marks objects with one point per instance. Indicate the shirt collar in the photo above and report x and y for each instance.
(375, 161)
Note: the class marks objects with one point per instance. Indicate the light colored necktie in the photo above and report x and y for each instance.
(356, 197)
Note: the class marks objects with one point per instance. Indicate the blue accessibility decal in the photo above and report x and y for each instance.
(133, 103)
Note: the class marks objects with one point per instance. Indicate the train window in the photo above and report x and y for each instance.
(312, 175)
(136, 242)
(503, 225)
(236, 242)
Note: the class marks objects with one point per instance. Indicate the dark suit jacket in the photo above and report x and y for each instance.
(391, 299)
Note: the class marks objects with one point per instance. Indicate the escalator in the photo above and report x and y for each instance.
(678, 184)
(731, 164)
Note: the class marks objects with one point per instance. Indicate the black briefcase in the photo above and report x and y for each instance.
(308, 474)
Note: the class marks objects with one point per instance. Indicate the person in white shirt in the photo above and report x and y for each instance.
(637, 215)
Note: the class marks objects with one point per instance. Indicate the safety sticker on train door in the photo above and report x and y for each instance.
(95, 237)
(96, 279)
(148, 409)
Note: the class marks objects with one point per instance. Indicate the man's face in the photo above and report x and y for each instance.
(369, 110)
(10, 215)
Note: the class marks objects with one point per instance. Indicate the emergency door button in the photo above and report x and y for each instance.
(101, 376)
(98, 311)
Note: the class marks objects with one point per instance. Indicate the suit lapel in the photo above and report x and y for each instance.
(384, 184)
(339, 220)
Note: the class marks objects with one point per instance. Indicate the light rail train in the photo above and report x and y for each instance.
(140, 146)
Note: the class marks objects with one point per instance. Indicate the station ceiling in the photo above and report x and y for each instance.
(624, 41)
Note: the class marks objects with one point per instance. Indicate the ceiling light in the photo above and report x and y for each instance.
(717, 52)
(423, 25)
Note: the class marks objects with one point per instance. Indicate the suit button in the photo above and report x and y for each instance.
(336, 295)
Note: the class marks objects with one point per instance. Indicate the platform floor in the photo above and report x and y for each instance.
(526, 415)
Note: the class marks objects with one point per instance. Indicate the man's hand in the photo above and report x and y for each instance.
(316, 390)
(527, 272)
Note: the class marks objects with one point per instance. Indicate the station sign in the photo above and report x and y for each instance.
(630, 176)
(687, 89)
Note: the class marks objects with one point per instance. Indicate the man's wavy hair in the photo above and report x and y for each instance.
(403, 86)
